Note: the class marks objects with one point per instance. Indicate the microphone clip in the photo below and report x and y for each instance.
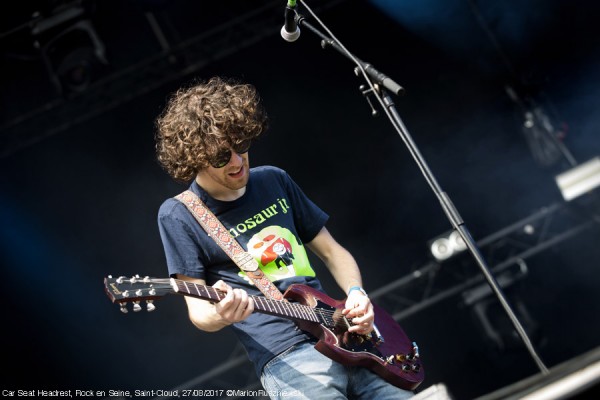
(290, 31)
(366, 92)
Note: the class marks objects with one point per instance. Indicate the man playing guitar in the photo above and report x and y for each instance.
(203, 137)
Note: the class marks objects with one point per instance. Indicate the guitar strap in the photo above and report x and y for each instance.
(215, 229)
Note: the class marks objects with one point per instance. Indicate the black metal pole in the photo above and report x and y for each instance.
(381, 84)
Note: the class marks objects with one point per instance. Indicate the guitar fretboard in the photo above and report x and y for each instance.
(263, 305)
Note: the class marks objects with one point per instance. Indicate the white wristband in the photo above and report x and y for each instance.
(359, 289)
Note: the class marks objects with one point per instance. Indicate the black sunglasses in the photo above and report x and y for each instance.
(222, 158)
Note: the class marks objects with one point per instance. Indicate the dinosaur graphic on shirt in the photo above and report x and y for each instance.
(279, 254)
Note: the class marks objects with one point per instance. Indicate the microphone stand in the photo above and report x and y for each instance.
(380, 86)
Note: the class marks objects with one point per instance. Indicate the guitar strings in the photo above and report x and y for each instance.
(339, 320)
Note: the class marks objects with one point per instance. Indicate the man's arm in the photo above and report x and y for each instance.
(234, 307)
(346, 273)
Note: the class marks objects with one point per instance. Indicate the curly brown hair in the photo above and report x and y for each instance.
(200, 120)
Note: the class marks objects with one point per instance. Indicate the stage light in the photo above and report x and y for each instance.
(447, 245)
(441, 249)
(70, 49)
(579, 180)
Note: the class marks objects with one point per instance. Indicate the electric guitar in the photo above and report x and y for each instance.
(386, 351)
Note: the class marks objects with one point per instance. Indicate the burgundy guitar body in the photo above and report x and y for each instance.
(388, 352)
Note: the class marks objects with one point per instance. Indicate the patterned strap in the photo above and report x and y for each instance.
(215, 229)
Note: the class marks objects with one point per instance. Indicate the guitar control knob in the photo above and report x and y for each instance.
(416, 367)
(400, 357)
(389, 359)
(406, 367)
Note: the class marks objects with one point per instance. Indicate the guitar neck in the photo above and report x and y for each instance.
(284, 309)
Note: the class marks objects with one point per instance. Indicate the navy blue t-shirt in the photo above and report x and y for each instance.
(271, 221)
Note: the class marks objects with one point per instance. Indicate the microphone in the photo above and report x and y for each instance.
(290, 32)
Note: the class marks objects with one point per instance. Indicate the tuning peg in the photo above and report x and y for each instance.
(150, 306)
(136, 306)
(123, 308)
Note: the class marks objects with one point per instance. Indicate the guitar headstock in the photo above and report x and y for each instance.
(123, 290)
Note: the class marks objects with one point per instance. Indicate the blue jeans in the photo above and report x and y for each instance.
(302, 372)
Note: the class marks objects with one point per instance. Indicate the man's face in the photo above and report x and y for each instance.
(234, 175)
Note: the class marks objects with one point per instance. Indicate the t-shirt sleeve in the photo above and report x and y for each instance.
(182, 250)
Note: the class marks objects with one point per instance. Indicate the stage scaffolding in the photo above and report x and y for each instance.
(174, 61)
